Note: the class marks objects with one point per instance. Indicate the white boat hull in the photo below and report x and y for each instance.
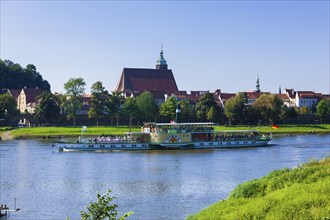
(67, 147)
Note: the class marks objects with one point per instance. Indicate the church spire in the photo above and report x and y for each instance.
(258, 84)
(161, 62)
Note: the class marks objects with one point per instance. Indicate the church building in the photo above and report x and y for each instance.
(138, 80)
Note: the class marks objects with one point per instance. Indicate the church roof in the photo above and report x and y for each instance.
(140, 80)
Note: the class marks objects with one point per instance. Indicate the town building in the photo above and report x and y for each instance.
(27, 99)
(159, 81)
(306, 99)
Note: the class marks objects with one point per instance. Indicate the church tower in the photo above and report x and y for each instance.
(258, 85)
(161, 62)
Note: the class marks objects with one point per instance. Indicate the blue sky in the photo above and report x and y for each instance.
(208, 44)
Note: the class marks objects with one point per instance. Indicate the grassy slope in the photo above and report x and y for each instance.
(300, 193)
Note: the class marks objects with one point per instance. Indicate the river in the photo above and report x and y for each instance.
(48, 184)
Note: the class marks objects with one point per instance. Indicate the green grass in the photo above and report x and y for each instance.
(55, 132)
(300, 193)
(283, 129)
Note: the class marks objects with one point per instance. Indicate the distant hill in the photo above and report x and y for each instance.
(13, 76)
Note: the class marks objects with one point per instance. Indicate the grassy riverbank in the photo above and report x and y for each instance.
(300, 193)
(59, 132)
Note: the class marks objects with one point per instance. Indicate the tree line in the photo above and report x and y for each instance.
(13, 76)
(53, 108)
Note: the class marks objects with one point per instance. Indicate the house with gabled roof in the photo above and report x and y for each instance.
(253, 96)
(27, 99)
(292, 97)
(180, 95)
(223, 97)
(195, 96)
(306, 98)
(286, 100)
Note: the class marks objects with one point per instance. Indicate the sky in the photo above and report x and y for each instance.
(208, 45)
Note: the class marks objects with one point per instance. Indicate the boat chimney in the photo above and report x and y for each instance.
(177, 112)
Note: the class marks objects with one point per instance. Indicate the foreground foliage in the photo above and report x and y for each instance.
(300, 193)
(102, 209)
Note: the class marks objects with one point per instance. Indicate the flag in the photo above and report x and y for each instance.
(275, 127)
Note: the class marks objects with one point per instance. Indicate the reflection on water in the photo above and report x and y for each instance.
(153, 184)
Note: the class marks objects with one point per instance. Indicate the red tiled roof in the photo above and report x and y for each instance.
(255, 95)
(197, 93)
(306, 94)
(291, 93)
(31, 94)
(14, 92)
(140, 80)
(180, 93)
(282, 96)
(226, 96)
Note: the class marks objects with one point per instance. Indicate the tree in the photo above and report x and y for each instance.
(323, 109)
(98, 102)
(269, 107)
(147, 106)
(8, 105)
(47, 109)
(211, 114)
(75, 88)
(236, 108)
(13, 76)
(102, 209)
(305, 110)
(288, 113)
(187, 111)
(167, 109)
(204, 105)
(113, 103)
(130, 109)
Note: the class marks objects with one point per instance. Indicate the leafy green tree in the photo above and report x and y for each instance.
(269, 107)
(167, 109)
(130, 109)
(204, 105)
(75, 88)
(252, 116)
(211, 114)
(113, 104)
(13, 76)
(47, 109)
(187, 111)
(8, 105)
(323, 109)
(147, 106)
(98, 102)
(102, 209)
(288, 113)
(305, 110)
(236, 108)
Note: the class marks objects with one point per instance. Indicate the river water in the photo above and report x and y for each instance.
(48, 184)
